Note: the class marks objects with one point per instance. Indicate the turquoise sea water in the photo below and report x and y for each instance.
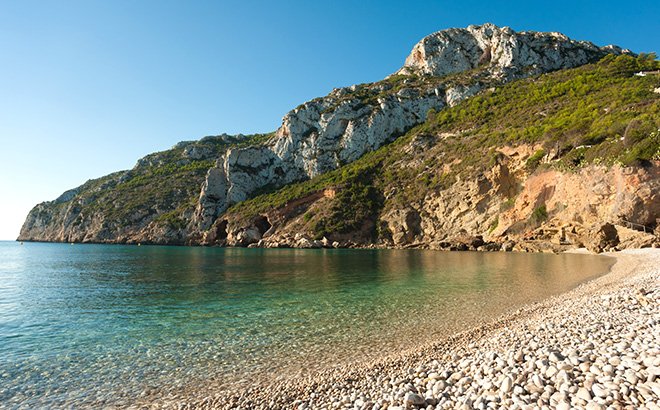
(87, 325)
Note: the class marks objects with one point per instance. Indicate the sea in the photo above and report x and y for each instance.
(90, 325)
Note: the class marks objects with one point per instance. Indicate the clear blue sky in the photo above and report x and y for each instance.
(87, 87)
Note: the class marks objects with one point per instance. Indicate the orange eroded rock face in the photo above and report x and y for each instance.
(592, 196)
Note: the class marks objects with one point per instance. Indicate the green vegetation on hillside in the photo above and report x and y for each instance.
(603, 108)
(357, 202)
(163, 186)
(596, 114)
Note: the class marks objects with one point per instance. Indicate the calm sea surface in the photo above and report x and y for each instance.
(87, 325)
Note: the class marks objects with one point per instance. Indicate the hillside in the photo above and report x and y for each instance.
(552, 158)
(156, 196)
(469, 138)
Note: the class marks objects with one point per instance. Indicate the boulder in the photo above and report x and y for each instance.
(244, 237)
(601, 237)
(404, 224)
(630, 238)
(508, 246)
(490, 247)
(466, 240)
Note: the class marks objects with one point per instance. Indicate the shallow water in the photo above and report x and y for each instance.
(87, 325)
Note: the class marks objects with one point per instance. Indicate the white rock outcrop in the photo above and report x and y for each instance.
(213, 197)
(502, 50)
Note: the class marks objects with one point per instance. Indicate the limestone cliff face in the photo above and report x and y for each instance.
(151, 203)
(575, 206)
(212, 198)
(63, 219)
(502, 50)
(322, 135)
(526, 166)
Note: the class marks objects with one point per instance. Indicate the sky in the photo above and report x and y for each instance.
(88, 87)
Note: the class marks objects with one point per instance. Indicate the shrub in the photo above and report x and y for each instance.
(539, 215)
(534, 160)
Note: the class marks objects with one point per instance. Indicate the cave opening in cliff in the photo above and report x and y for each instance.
(221, 230)
(262, 224)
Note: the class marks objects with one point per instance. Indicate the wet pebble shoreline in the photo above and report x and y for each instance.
(596, 347)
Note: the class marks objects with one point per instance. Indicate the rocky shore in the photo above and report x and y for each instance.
(604, 237)
(595, 347)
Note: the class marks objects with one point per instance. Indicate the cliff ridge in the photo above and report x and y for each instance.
(204, 192)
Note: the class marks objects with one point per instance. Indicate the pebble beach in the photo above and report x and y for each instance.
(595, 347)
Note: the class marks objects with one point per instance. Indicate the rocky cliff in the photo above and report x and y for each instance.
(563, 160)
(155, 201)
(323, 134)
(501, 51)
(254, 187)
